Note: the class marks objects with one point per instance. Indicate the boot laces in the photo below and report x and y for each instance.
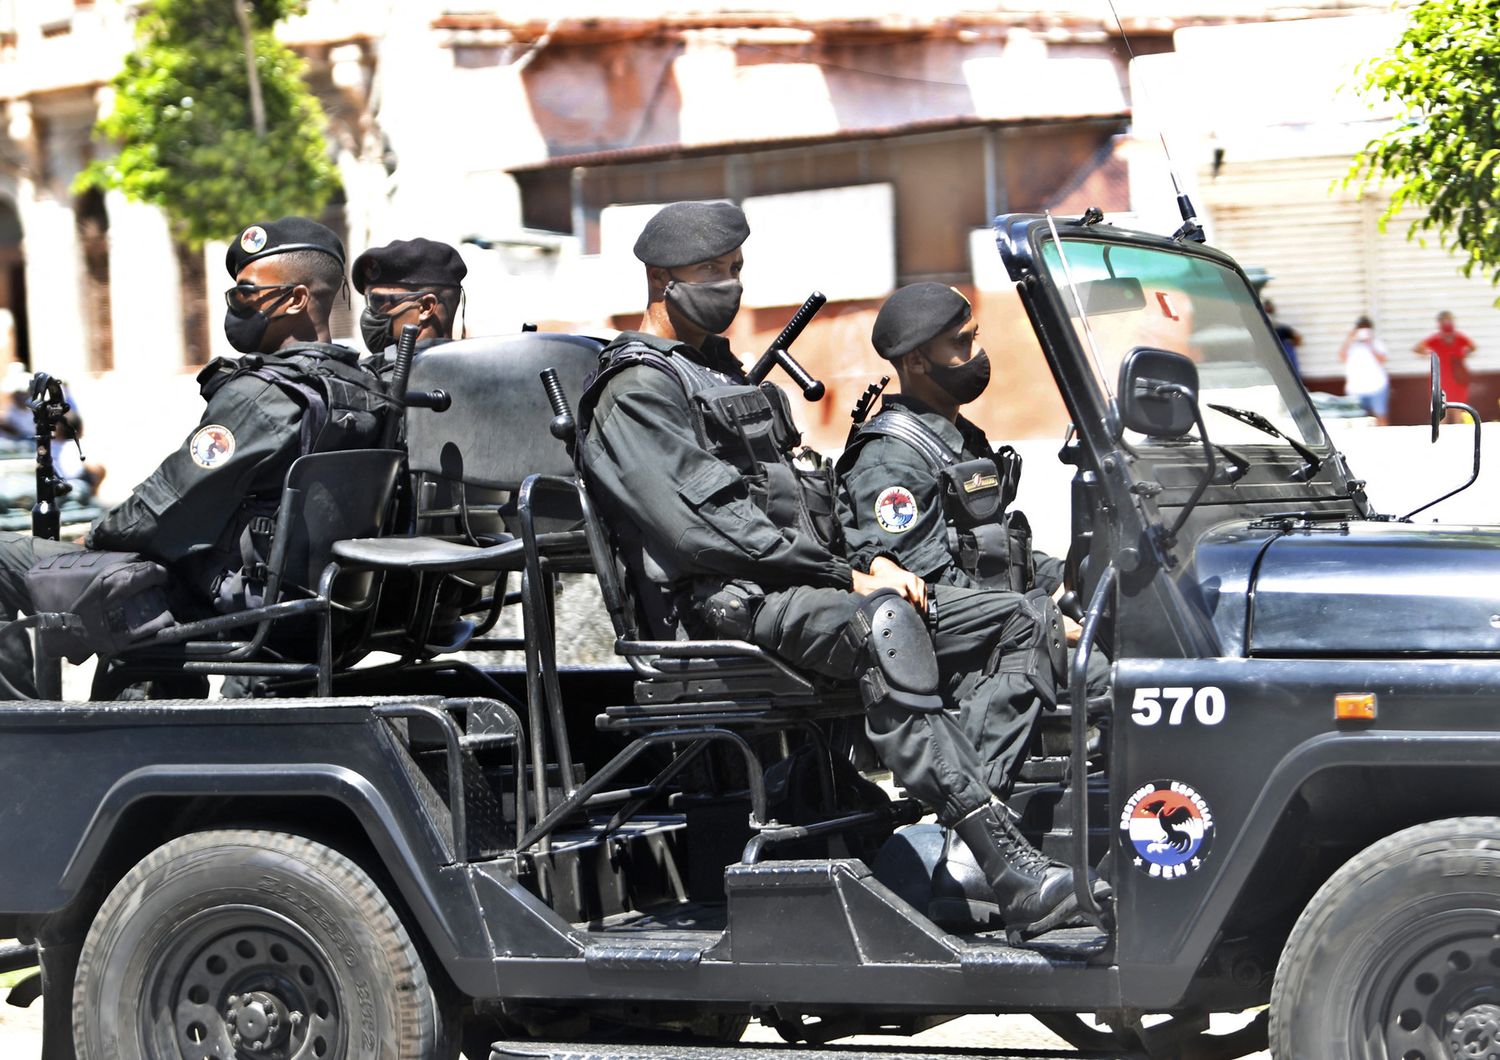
(1018, 851)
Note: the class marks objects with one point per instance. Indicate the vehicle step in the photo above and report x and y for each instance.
(762, 1051)
(634, 955)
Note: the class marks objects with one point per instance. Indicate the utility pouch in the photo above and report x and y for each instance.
(741, 425)
(972, 489)
(117, 598)
(819, 491)
(787, 434)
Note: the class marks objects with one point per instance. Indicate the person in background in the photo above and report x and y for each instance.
(1452, 348)
(16, 422)
(68, 458)
(1289, 337)
(1365, 378)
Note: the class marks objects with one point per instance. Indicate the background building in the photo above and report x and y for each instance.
(1263, 121)
(869, 142)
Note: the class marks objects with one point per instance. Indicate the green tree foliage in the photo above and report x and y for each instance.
(1446, 72)
(182, 120)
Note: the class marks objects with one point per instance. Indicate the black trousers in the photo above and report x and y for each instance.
(955, 760)
(18, 553)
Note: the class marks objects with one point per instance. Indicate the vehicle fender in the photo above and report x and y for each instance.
(1158, 985)
(411, 852)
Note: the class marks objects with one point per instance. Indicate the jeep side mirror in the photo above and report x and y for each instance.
(1439, 407)
(1158, 397)
(1158, 393)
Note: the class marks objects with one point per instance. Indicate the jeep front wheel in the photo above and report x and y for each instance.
(1398, 954)
(247, 944)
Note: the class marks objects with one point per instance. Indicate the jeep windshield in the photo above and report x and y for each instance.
(1134, 296)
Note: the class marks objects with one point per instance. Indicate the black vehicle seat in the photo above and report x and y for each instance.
(469, 460)
(681, 681)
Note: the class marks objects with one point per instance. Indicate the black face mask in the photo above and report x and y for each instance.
(246, 330)
(376, 331)
(963, 382)
(711, 306)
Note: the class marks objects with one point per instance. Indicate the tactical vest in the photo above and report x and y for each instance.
(747, 426)
(343, 405)
(987, 542)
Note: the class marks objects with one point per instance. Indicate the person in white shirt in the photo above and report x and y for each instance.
(1365, 378)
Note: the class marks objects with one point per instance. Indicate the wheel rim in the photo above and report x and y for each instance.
(241, 983)
(1433, 990)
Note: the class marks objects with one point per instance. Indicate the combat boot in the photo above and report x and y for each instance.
(991, 876)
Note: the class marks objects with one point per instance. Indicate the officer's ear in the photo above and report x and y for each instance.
(657, 279)
(427, 307)
(913, 362)
(298, 302)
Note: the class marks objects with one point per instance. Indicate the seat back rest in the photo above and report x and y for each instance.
(608, 569)
(495, 432)
(331, 497)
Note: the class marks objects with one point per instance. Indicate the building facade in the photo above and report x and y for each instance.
(870, 144)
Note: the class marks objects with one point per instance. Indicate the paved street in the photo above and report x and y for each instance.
(1014, 1037)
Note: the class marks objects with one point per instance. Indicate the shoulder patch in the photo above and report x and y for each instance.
(895, 509)
(211, 446)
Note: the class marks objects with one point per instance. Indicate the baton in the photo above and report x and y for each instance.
(779, 351)
(406, 349)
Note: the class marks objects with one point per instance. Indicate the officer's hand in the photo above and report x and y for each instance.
(886, 573)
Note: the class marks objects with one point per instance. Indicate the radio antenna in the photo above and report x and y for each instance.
(1191, 229)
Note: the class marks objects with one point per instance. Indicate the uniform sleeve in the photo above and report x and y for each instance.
(184, 507)
(643, 454)
(894, 507)
(1049, 571)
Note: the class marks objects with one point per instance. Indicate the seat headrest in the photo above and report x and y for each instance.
(495, 432)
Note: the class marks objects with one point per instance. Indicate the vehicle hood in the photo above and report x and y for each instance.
(1377, 589)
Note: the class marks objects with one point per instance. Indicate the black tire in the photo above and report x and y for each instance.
(252, 933)
(1398, 954)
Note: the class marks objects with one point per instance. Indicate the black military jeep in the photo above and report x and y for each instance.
(1292, 784)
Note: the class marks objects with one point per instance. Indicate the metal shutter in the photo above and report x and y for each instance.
(1331, 262)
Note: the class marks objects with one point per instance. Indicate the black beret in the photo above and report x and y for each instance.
(410, 263)
(265, 238)
(686, 233)
(915, 314)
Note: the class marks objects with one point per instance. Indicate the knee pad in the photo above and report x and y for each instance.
(1033, 643)
(903, 668)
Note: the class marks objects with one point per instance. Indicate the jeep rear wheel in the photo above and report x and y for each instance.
(1398, 954)
(253, 946)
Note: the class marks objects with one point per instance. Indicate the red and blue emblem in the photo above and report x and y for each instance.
(1169, 828)
(895, 509)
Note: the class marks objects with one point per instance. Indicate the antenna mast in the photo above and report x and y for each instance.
(1191, 229)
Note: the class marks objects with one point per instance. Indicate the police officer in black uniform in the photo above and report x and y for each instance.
(418, 281)
(207, 512)
(409, 281)
(724, 535)
(921, 482)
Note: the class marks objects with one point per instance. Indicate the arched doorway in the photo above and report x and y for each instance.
(15, 333)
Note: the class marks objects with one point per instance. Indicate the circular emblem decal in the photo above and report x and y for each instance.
(211, 445)
(253, 239)
(895, 510)
(1170, 827)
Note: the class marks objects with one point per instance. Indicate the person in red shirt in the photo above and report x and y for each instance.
(1452, 348)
